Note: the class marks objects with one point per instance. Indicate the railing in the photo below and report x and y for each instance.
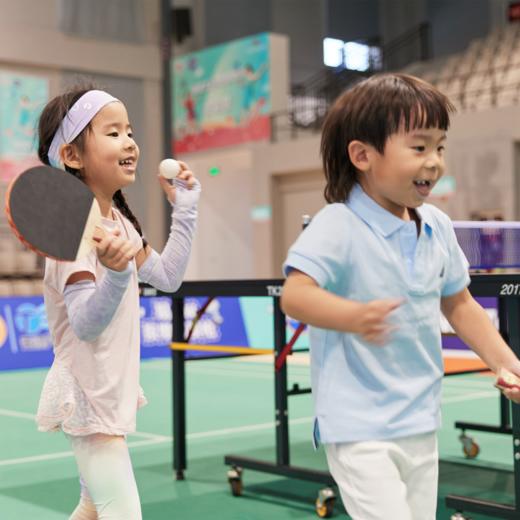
(309, 101)
(413, 45)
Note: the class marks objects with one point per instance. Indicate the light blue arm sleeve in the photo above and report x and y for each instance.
(166, 271)
(91, 307)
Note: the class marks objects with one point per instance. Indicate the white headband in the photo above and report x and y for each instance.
(76, 119)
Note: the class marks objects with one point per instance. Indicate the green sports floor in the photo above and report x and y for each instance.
(229, 411)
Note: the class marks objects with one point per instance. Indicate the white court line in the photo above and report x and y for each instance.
(449, 390)
(231, 366)
(68, 454)
(19, 415)
(243, 429)
(469, 397)
(36, 458)
(152, 436)
(158, 439)
(237, 372)
(200, 435)
(224, 370)
(266, 376)
(152, 439)
(295, 360)
(484, 383)
(32, 417)
(234, 373)
(473, 383)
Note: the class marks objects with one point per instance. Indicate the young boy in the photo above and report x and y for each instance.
(371, 274)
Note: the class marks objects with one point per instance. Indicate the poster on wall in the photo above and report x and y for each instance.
(222, 95)
(22, 99)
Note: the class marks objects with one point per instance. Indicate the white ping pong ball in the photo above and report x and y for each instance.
(169, 168)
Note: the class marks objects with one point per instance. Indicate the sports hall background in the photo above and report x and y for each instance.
(255, 190)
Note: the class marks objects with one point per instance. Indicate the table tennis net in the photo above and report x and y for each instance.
(489, 244)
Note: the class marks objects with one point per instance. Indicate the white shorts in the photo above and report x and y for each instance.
(382, 480)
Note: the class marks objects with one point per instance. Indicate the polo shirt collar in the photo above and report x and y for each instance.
(379, 218)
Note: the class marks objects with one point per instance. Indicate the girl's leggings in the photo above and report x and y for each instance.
(108, 487)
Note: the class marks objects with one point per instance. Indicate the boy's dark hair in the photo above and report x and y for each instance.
(371, 112)
(50, 120)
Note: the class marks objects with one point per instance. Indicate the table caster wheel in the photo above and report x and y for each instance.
(470, 448)
(325, 503)
(234, 476)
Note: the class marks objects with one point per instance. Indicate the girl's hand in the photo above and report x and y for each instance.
(372, 324)
(114, 252)
(184, 183)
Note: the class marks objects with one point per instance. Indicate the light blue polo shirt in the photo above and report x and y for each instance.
(362, 252)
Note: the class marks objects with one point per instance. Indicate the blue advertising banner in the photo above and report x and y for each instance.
(221, 324)
(25, 341)
(24, 335)
(156, 327)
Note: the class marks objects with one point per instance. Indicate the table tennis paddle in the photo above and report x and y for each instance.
(53, 213)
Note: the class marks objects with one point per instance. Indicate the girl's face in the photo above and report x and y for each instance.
(110, 156)
(404, 175)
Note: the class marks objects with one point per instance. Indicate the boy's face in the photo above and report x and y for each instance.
(404, 175)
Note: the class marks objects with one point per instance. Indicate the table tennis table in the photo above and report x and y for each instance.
(506, 287)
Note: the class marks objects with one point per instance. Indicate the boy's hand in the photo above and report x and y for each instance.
(509, 384)
(372, 324)
(113, 251)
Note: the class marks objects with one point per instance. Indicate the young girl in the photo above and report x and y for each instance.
(371, 274)
(92, 390)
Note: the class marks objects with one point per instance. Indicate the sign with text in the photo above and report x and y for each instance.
(25, 341)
